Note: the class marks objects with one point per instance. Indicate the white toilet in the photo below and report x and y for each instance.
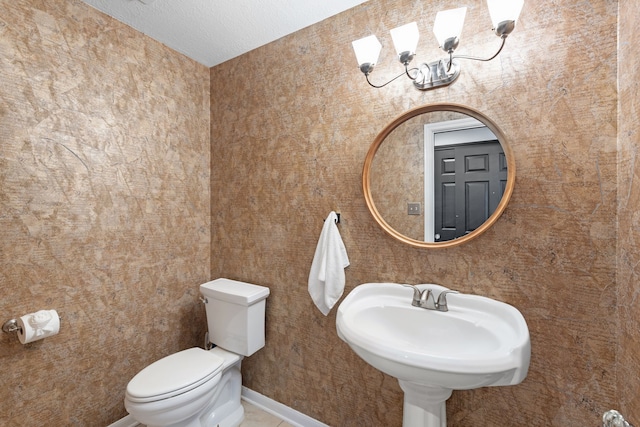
(201, 388)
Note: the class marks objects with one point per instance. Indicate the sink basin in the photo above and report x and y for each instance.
(478, 342)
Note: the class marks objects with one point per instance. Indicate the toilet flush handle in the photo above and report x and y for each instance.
(207, 344)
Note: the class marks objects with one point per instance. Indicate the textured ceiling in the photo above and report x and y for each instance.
(214, 31)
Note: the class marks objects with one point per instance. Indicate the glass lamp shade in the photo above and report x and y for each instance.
(367, 50)
(504, 10)
(405, 38)
(449, 24)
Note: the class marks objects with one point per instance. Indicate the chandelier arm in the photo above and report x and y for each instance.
(504, 39)
(396, 77)
(450, 61)
(407, 69)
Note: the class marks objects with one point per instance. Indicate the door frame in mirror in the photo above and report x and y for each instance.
(373, 149)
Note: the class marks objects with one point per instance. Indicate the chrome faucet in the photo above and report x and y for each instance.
(425, 298)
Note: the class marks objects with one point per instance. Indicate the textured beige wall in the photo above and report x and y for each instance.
(291, 125)
(628, 205)
(104, 207)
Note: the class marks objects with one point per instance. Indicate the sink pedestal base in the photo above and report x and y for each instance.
(424, 406)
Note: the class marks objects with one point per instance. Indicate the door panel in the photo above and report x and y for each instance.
(469, 182)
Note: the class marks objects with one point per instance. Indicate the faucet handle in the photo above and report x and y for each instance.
(442, 299)
(416, 295)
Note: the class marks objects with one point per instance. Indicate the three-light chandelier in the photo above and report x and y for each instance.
(447, 29)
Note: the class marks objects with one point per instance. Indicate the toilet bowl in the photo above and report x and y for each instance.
(197, 387)
(173, 390)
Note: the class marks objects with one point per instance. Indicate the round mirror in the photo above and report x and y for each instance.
(438, 176)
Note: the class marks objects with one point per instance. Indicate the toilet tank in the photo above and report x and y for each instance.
(235, 314)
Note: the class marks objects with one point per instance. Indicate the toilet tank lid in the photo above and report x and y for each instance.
(234, 291)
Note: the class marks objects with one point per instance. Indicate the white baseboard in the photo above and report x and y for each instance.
(293, 417)
(127, 421)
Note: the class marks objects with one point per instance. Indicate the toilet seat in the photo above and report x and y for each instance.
(175, 374)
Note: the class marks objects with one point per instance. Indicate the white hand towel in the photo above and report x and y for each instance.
(326, 278)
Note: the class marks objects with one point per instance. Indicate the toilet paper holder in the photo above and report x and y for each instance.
(11, 327)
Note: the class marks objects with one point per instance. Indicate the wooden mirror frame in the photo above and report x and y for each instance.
(366, 174)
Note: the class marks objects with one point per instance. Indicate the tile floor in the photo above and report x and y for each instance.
(256, 417)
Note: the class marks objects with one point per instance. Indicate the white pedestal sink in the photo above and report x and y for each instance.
(478, 342)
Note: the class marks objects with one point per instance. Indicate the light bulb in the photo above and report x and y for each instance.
(367, 51)
(448, 27)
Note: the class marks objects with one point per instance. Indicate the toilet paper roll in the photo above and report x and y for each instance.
(38, 325)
